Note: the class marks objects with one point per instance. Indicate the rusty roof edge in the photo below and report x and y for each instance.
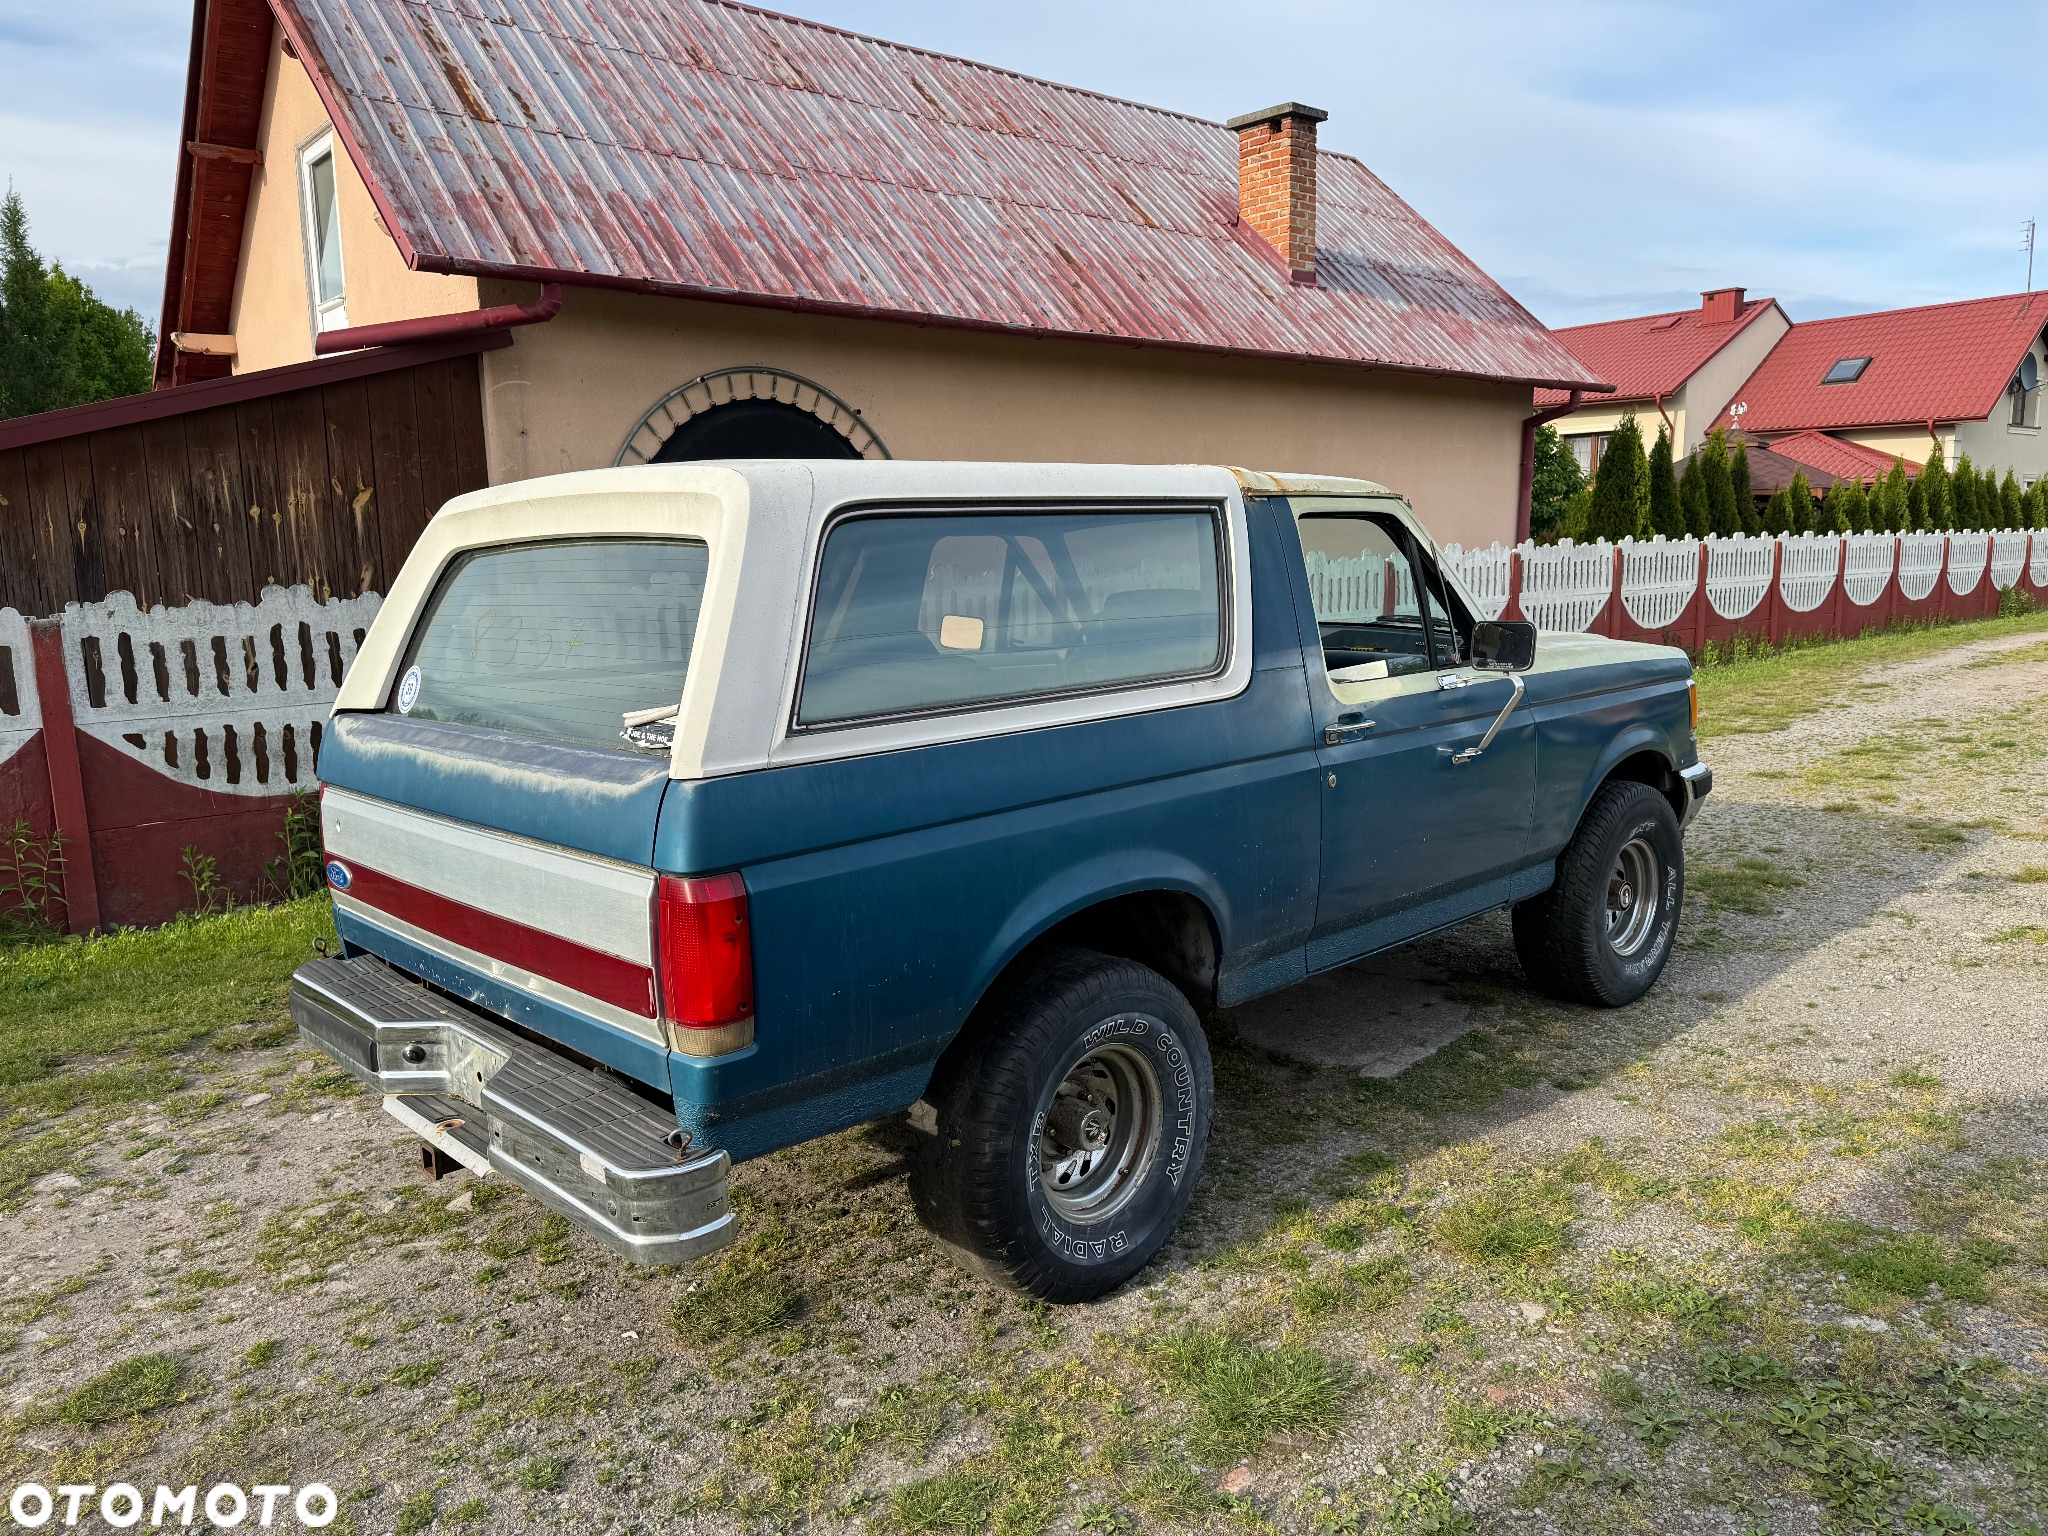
(332, 99)
(463, 267)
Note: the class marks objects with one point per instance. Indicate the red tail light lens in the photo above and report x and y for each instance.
(707, 951)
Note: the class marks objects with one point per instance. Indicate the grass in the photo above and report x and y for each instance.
(133, 1387)
(1769, 690)
(1246, 1393)
(1749, 885)
(1513, 1220)
(147, 994)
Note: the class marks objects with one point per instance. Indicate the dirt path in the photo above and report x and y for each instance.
(1765, 1252)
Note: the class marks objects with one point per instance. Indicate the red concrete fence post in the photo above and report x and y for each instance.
(67, 782)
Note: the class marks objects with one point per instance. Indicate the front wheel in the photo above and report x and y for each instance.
(1602, 933)
(1066, 1135)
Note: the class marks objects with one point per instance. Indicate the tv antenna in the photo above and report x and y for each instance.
(2027, 245)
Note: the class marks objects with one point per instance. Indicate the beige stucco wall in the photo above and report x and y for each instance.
(566, 393)
(1693, 407)
(1909, 443)
(272, 310)
(1721, 377)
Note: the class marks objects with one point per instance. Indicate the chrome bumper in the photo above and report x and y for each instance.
(580, 1142)
(1699, 783)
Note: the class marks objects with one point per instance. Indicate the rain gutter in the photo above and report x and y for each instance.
(392, 333)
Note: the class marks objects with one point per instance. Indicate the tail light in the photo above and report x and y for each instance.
(707, 962)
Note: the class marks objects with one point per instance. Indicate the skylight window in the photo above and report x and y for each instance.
(1847, 370)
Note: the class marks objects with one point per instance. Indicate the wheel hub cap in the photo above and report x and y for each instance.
(1099, 1133)
(1632, 889)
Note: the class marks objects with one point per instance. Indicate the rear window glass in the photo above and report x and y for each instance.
(563, 641)
(922, 613)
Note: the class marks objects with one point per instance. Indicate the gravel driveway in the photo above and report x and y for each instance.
(1764, 1252)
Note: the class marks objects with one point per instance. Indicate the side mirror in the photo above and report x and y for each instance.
(1502, 645)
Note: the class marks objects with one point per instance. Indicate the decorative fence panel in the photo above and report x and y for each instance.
(2037, 570)
(1868, 560)
(1920, 557)
(1807, 567)
(1738, 574)
(21, 714)
(1967, 556)
(1488, 574)
(1566, 586)
(1658, 580)
(1355, 589)
(229, 698)
(2008, 559)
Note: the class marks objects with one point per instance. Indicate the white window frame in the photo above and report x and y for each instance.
(331, 315)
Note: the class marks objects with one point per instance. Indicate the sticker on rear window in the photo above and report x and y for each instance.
(408, 690)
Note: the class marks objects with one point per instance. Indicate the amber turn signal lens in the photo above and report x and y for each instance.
(1693, 690)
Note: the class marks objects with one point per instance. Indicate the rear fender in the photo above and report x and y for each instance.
(1081, 886)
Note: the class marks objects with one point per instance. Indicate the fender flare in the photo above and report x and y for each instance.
(1080, 886)
(1637, 739)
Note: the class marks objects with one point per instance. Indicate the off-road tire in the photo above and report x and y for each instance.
(1563, 936)
(979, 1179)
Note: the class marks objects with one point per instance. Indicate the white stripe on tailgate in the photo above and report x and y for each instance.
(595, 902)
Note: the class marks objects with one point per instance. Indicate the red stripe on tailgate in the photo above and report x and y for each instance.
(592, 972)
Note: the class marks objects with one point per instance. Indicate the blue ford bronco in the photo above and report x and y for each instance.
(676, 814)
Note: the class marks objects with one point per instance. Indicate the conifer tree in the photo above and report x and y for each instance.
(1746, 518)
(1842, 509)
(1621, 488)
(1557, 478)
(2011, 513)
(1716, 486)
(1895, 501)
(2036, 499)
(59, 345)
(1935, 504)
(1916, 504)
(1962, 495)
(1799, 507)
(1665, 516)
(1777, 513)
(1692, 499)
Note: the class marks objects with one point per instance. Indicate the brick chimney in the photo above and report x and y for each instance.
(1276, 181)
(1720, 306)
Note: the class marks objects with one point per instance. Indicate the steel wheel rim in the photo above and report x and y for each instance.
(1634, 889)
(1097, 1135)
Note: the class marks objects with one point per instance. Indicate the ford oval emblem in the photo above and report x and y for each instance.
(338, 875)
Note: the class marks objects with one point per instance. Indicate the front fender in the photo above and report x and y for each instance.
(1122, 873)
(1638, 738)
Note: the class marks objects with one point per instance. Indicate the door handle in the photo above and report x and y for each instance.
(1347, 728)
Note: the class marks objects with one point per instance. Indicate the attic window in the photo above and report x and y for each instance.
(320, 218)
(1847, 370)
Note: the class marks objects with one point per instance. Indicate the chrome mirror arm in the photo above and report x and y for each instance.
(1471, 754)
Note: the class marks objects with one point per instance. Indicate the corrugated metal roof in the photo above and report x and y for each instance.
(706, 148)
(1651, 355)
(1836, 458)
(1942, 362)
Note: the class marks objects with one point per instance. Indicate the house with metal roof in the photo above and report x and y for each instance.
(1948, 378)
(710, 230)
(1678, 369)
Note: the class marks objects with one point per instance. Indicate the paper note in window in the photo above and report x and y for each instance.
(958, 632)
(1363, 672)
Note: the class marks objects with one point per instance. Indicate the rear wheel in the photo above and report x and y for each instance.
(1066, 1135)
(1602, 933)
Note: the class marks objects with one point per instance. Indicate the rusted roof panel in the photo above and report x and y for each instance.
(706, 148)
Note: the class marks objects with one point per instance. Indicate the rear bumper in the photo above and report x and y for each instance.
(578, 1141)
(1699, 783)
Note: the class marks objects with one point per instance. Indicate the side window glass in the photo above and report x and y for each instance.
(1369, 606)
(915, 613)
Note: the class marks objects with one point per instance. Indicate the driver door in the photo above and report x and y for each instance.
(1412, 841)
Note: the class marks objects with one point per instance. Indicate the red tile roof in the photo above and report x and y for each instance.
(1943, 362)
(708, 149)
(1650, 355)
(1837, 459)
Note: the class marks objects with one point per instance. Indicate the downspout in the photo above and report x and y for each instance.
(391, 333)
(1936, 436)
(1669, 429)
(1528, 478)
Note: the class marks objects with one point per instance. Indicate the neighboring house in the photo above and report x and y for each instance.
(775, 237)
(1966, 377)
(1678, 369)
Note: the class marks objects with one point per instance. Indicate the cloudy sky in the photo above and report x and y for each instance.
(1599, 157)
